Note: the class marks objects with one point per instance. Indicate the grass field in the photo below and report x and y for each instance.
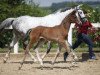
(3, 50)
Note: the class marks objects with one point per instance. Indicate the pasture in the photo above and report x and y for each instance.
(60, 67)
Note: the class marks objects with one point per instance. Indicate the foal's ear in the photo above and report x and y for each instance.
(73, 12)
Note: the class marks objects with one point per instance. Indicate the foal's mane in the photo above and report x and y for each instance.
(68, 17)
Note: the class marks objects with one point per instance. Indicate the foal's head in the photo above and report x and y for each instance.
(74, 18)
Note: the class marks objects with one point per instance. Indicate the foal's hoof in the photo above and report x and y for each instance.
(73, 63)
(76, 58)
(51, 67)
(19, 68)
(4, 61)
(35, 60)
(41, 67)
(52, 63)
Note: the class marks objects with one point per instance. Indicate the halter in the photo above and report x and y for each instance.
(80, 13)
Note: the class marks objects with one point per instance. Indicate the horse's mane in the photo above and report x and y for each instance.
(58, 12)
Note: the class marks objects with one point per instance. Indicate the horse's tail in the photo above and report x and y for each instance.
(6, 23)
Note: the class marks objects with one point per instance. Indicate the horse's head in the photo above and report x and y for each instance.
(76, 15)
(80, 14)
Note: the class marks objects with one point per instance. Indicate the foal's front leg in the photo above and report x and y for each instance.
(70, 51)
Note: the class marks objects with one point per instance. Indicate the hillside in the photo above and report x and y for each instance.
(56, 6)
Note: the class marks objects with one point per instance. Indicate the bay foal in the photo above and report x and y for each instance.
(57, 33)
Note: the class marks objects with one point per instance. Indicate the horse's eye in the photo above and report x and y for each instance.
(80, 12)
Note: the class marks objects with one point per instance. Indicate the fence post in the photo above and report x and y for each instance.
(16, 48)
(70, 34)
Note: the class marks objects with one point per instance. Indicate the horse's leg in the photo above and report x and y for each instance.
(14, 41)
(57, 54)
(21, 64)
(48, 49)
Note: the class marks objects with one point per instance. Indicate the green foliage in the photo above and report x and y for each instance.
(16, 8)
(93, 14)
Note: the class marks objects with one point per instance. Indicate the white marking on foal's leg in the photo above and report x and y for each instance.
(33, 58)
(44, 55)
(38, 56)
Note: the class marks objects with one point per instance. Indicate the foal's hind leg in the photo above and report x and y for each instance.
(14, 41)
(40, 43)
(26, 53)
(25, 43)
(32, 41)
(57, 54)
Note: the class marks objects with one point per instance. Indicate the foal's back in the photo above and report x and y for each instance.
(49, 33)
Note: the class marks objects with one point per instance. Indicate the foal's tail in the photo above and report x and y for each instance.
(6, 23)
(27, 34)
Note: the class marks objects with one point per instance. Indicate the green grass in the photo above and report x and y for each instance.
(53, 50)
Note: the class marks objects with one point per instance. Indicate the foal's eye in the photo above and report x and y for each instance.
(75, 17)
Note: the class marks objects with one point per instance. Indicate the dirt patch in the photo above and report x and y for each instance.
(60, 68)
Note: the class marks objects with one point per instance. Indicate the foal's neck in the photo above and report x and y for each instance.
(66, 23)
